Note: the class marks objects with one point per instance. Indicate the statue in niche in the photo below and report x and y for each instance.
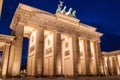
(59, 6)
(64, 10)
(73, 13)
(69, 12)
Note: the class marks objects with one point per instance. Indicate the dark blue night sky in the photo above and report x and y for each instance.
(101, 14)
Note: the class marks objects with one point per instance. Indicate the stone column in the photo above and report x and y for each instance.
(102, 70)
(109, 63)
(99, 60)
(105, 65)
(11, 55)
(114, 65)
(93, 57)
(17, 49)
(88, 56)
(5, 59)
(10, 63)
(118, 67)
(39, 52)
(75, 42)
(82, 63)
(103, 61)
(98, 56)
(57, 54)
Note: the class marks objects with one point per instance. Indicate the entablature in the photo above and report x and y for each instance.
(6, 38)
(113, 53)
(33, 17)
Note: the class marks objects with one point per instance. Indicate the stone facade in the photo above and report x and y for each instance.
(58, 45)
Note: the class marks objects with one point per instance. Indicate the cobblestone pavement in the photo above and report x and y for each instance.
(66, 78)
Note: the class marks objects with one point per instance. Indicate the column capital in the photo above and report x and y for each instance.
(21, 23)
(98, 41)
(7, 44)
(82, 38)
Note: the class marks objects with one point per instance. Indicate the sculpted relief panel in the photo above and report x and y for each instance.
(31, 54)
(67, 55)
(32, 43)
(48, 53)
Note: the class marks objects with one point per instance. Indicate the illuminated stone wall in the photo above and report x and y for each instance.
(48, 53)
(67, 55)
(58, 44)
(31, 54)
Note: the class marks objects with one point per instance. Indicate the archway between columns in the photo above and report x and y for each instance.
(23, 68)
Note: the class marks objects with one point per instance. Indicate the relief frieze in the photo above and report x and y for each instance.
(32, 48)
(67, 52)
(49, 50)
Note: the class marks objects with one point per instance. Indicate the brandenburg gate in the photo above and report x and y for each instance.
(59, 44)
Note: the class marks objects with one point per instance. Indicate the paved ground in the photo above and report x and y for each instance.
(66, 78)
